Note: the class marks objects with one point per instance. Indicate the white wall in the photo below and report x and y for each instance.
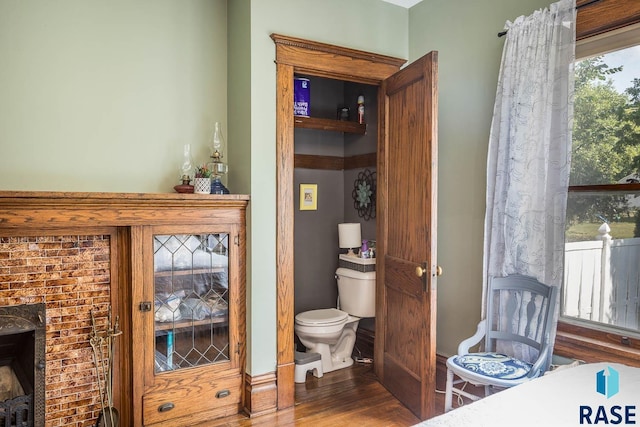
(102, 95)
(465, 35)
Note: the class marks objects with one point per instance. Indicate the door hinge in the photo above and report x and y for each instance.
(238, 347)
(236, 240)
(145, 306)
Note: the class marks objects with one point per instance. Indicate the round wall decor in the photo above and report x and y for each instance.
(364, 194)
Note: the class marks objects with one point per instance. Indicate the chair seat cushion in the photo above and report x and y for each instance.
(493, 365)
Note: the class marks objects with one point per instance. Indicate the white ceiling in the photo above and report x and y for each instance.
(403, 3)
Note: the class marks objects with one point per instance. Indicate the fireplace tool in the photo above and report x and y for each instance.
(102, 344)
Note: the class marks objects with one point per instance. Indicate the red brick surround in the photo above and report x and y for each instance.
(71, 275)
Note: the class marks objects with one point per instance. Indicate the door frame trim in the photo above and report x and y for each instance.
(294, 55)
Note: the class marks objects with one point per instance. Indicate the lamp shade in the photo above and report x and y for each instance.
(349, 235)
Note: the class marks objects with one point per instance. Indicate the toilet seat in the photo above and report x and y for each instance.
(322, 317)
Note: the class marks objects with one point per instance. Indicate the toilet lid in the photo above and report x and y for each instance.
(326, 316)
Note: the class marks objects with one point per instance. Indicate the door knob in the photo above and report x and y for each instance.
(420, 271)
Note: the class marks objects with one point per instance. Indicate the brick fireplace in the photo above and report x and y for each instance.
(22, 364)
(70, 275)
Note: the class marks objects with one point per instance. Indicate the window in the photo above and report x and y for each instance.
(602, 251)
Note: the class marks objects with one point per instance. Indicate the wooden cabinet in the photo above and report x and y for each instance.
(192, 322)
(189, 320)
(175, 276)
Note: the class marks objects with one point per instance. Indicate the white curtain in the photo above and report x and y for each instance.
(530, 148)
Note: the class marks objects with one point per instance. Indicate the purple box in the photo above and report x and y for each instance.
(301, 104)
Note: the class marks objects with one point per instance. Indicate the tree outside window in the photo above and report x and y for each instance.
(602, 253)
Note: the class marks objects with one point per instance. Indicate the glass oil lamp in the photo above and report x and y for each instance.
(217, 167)
(186, 171)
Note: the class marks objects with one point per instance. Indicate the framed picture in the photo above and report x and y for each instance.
(308, 197)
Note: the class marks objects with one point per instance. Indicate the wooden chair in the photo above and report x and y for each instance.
(520, 312)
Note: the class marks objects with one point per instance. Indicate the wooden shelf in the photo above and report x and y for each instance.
(170, 273)
(329, 124)
(180, 324)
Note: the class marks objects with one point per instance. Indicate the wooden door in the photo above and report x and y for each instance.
(406, 314)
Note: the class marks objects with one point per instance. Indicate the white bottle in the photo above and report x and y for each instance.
(361, 109)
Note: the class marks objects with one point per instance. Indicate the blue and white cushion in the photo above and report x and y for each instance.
(494, 365)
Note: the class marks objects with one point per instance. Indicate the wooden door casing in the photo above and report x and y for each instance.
(295, 55)
(311, 58)
(406, 232)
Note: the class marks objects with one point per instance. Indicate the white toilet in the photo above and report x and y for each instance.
(331, 332)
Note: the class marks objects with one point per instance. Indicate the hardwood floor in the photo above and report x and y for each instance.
(347, 397)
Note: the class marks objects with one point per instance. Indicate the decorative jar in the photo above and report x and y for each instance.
(202, 185)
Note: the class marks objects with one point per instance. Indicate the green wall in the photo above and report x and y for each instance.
(102, 95)
(465, 35)
(359, 24)
(239, 113)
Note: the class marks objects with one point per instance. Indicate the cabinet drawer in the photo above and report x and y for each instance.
(191, 397)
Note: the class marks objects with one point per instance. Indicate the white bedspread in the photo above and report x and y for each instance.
(555, 400)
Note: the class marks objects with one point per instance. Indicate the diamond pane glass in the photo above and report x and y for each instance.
(191, 289)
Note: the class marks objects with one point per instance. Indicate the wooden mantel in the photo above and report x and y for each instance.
(24, 210)
(111, 221)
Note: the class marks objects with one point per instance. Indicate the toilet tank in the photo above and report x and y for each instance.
(357, 292)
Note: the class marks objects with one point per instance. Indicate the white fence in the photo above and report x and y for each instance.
(602, 280)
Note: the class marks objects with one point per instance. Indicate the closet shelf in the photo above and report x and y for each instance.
(329, 124)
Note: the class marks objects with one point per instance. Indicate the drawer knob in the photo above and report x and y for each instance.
(222, 393)
(166, 407)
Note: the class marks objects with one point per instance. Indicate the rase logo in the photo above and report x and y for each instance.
(608, 384)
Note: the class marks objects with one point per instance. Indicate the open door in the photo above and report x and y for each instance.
(405, 344)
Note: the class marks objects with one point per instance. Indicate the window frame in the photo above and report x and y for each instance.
(602, 25)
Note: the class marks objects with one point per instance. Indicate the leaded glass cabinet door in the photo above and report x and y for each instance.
(191, 300)
(193, 304)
